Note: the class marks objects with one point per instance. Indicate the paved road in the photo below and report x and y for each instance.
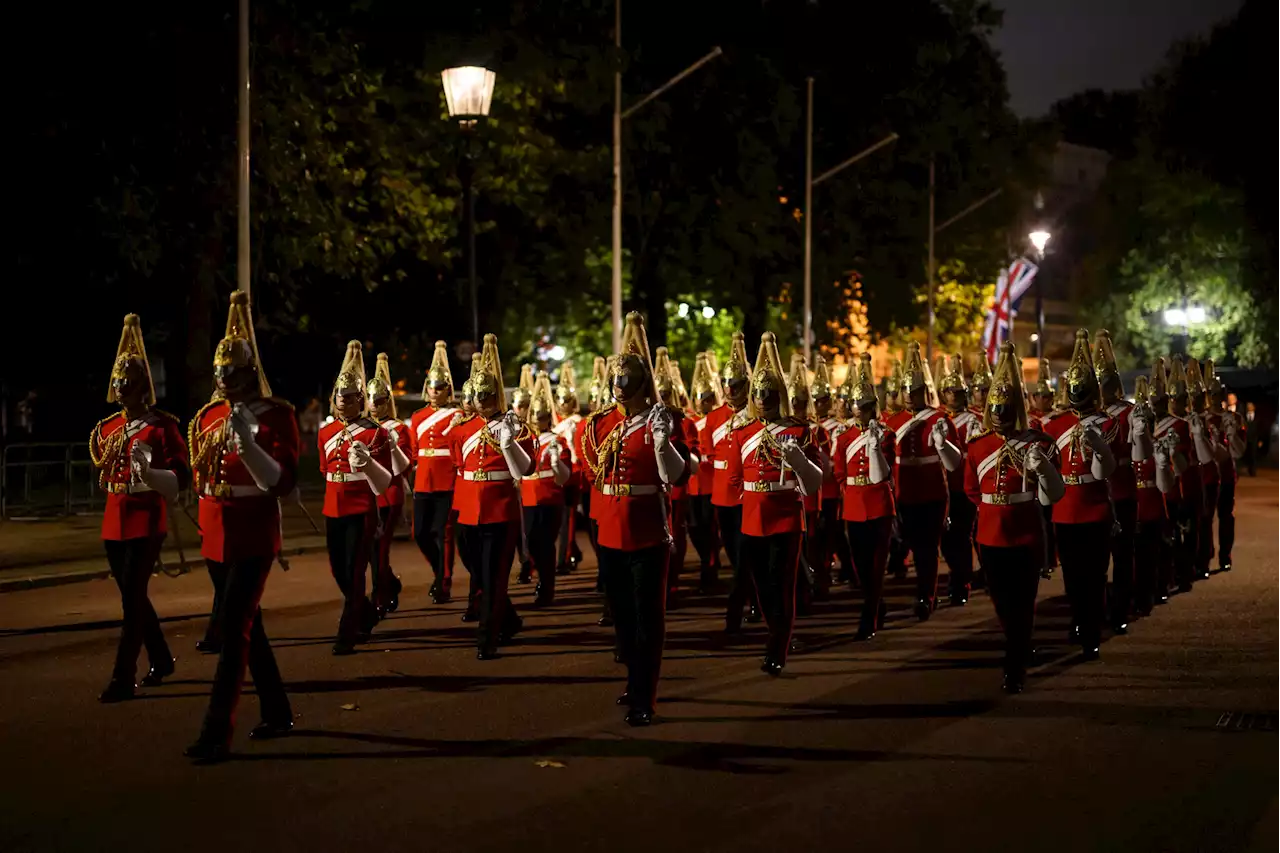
(899, 744)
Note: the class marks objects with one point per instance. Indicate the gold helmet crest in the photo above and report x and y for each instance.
(541, 401)
(131, 351)
(861, 385)
(524, 391)
(239, 345)
(635, 354)
(438, 375)
(952, 374)
(662, 378)
(980, 379)
(1104, 360)
(768, 375)
(1195, 385)
(1159, 381)
(350, 379)
(380, 385)
(1006, 390)
(917, 374)
(567, 387)
(486, 373)
(821, 387)
(798, 386)
(1043, 386)
(704, 380)
(1177, 378)
(1082, 379)
(737, 368)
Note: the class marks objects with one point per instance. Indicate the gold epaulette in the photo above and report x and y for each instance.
(194, 426)
(95, 438)
(980, 434)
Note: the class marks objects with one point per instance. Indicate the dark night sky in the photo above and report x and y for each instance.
(1054, 48)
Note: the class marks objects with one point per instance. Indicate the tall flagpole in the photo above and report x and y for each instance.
(242, 157)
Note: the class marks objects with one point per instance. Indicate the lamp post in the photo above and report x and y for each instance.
(242, 154)
(1039, 239)
(468, 92)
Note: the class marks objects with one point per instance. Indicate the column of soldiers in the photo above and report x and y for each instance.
(769, 466)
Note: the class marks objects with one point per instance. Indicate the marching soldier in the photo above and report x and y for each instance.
(244, 454)
(1205, 439)
(542, 492)
(465, 411)
(1194, 446)
(835, 425)
(1084, 516)
(492, 450)
(1123, 483)
(568, 416)
(1041, 394)
(1009, 470)
(1230, 446)
(830, 535)
(599, 396)
(142, 464)
(382, 406)
(1175, 559)
(632, 451)
(521, 398)
(726, 490)
(355, 458)
(927, 448)
(683, 495)
(774, 455)
(797, 381)
(1154, 478)
(957, 537)
(666, 381)
(703, 530)
(979, 385)
(893, 403)
(434, 474)
(863, 466)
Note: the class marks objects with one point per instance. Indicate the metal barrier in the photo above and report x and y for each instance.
(47, 478)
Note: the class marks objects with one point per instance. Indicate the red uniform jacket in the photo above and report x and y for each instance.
(429, 449)
(920, 477)
(486, 493)
(238, 520)
(567, 429)
(1189, 488)
(832, 428)
(347, 491)
(629, 503)
(705, 479)
(1086, 499)
(967, 425)
(726, 488)
(1124, 486)
(539, 488)
(394, 495)
(1227, 469)
(1209, 470)
(1008, 514)
(690, 433)
(133, 510)
(863, 500)
(1151, 506)
(771, 499)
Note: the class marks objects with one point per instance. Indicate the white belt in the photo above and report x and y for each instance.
(485, 476)
(345, 477)
(1004, 500)
(433, 451)
(1078, 479)
(225, 491)
(768, 486)
(720, 464)
(858, 480)
(627, 490)
(539, 475)
(127, 488)
(918, 460)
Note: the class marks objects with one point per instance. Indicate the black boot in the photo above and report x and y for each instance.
(159, 672)
(117, 691)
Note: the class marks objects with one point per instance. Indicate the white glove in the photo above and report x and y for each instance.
(1196, 424)
(241, 429)
(1137, 425)
(1094, 437)
(1035, 458)
(141, 461)
(1230, 422)
(660, 426)
(358, 455)
(791, 450)
(873, 441)
(938, 435)
(393, 438)
(553, 452)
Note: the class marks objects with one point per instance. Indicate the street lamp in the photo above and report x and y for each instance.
(1039, 238)
(1185, 317)
(468, 92)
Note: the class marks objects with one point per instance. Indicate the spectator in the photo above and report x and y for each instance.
(27, 414)
(1254, 439)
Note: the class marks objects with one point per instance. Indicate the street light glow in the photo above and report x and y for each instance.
(1195, 314)
(1039, 239)
(708, 312)
(556, 353)
(1034, 337)
(468, 91)
(1175, 317)
(683, 310)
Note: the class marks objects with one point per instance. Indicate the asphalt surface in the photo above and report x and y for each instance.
(902, 743)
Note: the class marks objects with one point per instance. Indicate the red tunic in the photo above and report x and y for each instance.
(726, 488)
(706, 465)
(1208, 470)
(429, 449)
(238, 520)
(691, 441)
(394, 495)
(567, 429)
(862, 499)
(771, 499)
(1124, 486)
(822, 444)
(133, 509)
(1189, 488)
(967, 425)
(540, 488)
(628, 504)
(833, 428)
(347, 491)
(485, 493)
(1086, 499)
(920, 477)
(1151, 506)
(1008, 514)
(1227, 468)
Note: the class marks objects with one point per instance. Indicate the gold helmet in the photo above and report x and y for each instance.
(438, 375)
(239, 345)
(1212, 384)
(980, 380)
(1006, 390)
(821, 387)
(524, 392)
(1104, 360)
(895, 384)
(713, 362)
(541, 401)
(567, 387)
(662, 378)
(350, 378)
(952, 374)
(769, 376)
(862, 388)
(678, 379)
(1082, 380)
(598, 389)
(131, 351)
(634, 357)
(1043, 386)
(917, 373)
(1178, 378)
(704, 380)
(1195, 386)
(939, 370)
(737, 369)
(798, 386)
(1159, 390)
(380, 384)
(486, 372)
(1142, 397)
(1060, 400)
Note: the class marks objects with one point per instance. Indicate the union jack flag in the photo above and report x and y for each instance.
(1010, 287)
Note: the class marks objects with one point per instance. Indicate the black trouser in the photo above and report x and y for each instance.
(702, 532)
(1122, 565)
(386, 585)
(244, 643)
(493, 547)
(774, 563)
(212, 628)
(567, 543)
(830, 532)
(541, 530)
(349, 538)
(1149, 552)
(869, 545)
(1226, 519)
(743, 589)
(898, 549)
(957, 543)
(1084, 550)
(636, 584)
(1204, 536)
(433, 530)
(1186, 536)
(922, 525)
(1050, 558)
(838, 543)
(1013, 574)
(131, 562)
